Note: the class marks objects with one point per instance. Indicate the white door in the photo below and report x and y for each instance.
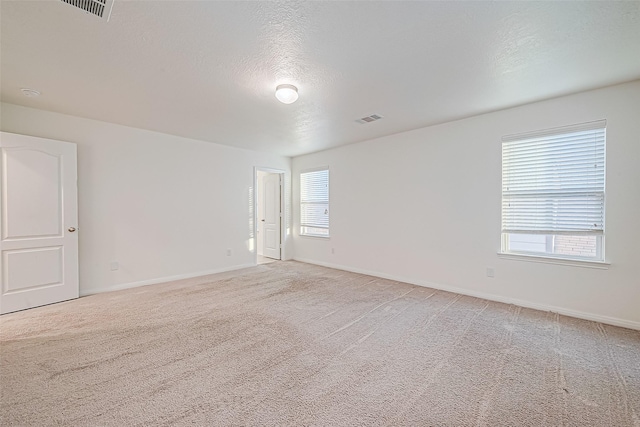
(39, 216)
(271, 211)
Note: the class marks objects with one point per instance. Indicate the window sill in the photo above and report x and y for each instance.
(602, 265)
(311, 236)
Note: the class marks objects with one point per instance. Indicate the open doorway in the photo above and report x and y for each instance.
(268, 208)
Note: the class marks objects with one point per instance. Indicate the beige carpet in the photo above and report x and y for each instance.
(293, 344)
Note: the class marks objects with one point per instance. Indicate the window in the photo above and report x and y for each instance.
(314, 203)
(553, 192)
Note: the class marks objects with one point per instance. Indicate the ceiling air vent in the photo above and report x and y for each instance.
(100, 8)
(369, 119)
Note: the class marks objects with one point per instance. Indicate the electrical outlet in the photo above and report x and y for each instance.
(491, 272)
(114, 266)
(228, 252)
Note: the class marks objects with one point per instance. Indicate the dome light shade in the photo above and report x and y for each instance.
(287, 94)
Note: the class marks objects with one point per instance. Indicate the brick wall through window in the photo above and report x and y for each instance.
(575, 245)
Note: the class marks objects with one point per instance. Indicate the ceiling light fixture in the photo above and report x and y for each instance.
(30, 93)
(287, 94)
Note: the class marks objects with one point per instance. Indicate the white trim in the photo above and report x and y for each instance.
(579, 127)
(602, 265)
(86, 292)
(483, 295)
(316, 169)
(313, 236)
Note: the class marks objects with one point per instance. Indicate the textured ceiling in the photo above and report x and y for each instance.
(208, 70)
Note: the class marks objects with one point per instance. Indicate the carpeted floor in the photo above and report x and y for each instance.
(294, 344)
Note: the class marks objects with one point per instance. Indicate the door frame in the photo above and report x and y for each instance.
(255, 210)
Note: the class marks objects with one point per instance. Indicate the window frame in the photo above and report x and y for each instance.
(328, 203)
(548, 256)
(599, 258)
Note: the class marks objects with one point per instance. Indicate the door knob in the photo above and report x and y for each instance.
(72, 229)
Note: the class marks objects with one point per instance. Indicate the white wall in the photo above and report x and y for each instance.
(424, 207)
(162, 206)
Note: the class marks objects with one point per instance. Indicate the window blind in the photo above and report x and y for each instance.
(553, 182)
(314, 203)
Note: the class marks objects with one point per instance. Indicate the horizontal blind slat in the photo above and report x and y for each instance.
(314, 201)
(554, 183)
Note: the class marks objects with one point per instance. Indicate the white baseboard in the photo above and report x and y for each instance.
(492, 297)
(85, 292)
